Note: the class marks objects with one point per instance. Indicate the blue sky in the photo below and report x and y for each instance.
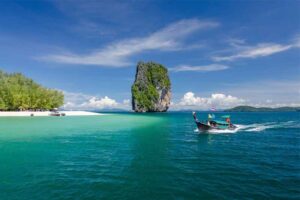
(219, 53)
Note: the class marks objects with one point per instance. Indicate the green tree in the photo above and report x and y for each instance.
(18, 92)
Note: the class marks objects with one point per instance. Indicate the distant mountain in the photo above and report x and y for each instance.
(262, 109)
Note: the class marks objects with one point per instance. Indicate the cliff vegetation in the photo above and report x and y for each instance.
(151, 89)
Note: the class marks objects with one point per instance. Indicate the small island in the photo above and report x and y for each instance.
(262, 109)
(151, 91)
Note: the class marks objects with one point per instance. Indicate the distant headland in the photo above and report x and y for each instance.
(262, 109)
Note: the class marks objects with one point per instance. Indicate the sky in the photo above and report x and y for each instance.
(219, 53)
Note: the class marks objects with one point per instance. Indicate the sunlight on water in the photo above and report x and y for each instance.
(20, 127)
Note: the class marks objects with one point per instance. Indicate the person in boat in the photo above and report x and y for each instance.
(227, 119)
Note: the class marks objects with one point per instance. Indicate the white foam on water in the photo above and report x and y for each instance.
(216, 131)
(272, 125)
(260, 128)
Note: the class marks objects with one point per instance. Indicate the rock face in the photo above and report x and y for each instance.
(151, 90)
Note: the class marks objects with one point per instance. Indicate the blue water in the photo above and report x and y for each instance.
(149, 156)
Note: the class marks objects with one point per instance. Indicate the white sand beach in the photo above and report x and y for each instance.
(44, 113)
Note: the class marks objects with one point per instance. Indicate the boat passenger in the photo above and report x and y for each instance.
(228, 120)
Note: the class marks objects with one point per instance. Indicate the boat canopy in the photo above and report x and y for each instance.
(226, 116)
(221, 122)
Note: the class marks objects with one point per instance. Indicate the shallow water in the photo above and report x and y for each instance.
(149, 156)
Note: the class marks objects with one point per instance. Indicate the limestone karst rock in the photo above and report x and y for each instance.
(151, 91)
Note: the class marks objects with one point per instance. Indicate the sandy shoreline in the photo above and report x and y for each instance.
(45, 113)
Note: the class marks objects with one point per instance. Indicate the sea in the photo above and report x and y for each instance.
(150, 156)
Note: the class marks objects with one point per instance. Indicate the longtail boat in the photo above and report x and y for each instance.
(212, 124)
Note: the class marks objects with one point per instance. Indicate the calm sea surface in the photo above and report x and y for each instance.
(149, 156)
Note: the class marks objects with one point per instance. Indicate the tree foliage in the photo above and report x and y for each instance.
(20, 93)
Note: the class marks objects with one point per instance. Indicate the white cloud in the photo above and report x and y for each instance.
(69, 105)
(126, 102)
(218, 100)
(236, 42)
(241, 50)
(296, 41)
(267, 92)
(204, 68)
(188, 101)
(260, 50)
(96, 103)
(76, 98)
(79, 101)
(117, 54)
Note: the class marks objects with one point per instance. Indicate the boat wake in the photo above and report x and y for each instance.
(257, 127)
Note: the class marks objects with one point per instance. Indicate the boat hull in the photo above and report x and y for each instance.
(212, 125)
(204, 127)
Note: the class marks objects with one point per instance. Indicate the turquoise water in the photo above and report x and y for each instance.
(149, 156)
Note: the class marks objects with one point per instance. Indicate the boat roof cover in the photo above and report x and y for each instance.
(220, 122)
(226, 116)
